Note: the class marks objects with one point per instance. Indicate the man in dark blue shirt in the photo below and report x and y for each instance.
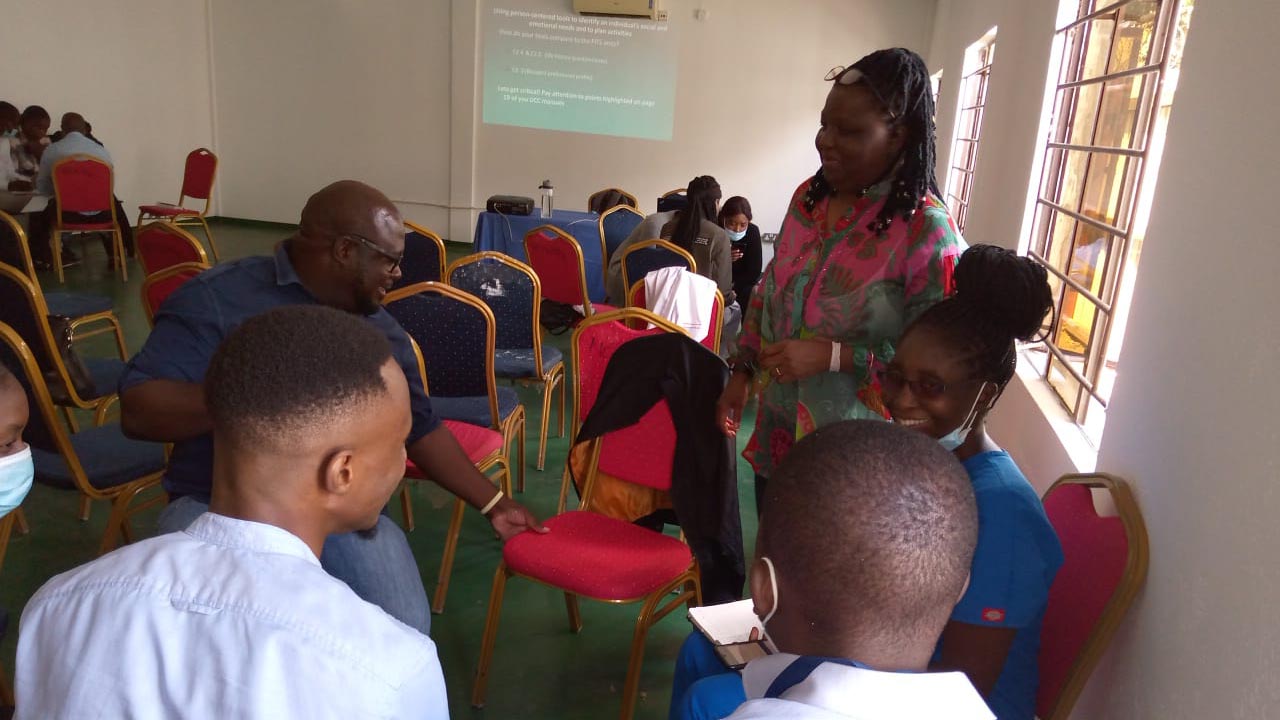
(346, 255)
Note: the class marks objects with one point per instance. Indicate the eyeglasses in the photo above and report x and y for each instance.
(395, 260)
(893, 381)
(851, 75)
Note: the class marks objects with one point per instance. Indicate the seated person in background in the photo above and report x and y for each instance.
(234, 617)
(345, 255)
(10, 119)
(862, 553)
(692, 229)
(744, 238)
(33, 132)
(74, 141)
(951, 366)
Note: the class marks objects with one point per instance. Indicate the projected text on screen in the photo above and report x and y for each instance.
(555, 70)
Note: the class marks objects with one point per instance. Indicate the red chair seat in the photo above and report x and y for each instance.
(87, 226)
(597, 556)
(477, 442)
(167, 210)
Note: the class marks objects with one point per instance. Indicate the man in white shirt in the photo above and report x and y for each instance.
(234, 617)
(74, 140)
(863, 551)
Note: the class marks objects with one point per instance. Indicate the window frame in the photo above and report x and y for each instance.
(967, 136)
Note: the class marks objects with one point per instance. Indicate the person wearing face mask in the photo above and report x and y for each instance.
(744, 248)
(863, 552)
(865, 247)
(951, 366)
(16, 468)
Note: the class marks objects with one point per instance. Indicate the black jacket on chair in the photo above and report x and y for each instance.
(704, 482)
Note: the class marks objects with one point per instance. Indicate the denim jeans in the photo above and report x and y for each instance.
(703, 688)
(380, 569)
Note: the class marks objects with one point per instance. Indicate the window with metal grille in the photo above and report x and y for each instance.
(1117, 71)
(973, 101)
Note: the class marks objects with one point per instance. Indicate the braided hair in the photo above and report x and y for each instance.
(1000, 297)
(900, 79)
(703, 193)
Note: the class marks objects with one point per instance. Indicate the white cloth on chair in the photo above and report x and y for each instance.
(686, 299)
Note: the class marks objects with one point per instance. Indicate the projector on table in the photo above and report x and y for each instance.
(510, 205)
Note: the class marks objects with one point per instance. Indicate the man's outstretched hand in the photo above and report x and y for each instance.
(510, 518)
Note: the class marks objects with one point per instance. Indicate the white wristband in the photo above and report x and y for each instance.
(835, 357)
(485, 510)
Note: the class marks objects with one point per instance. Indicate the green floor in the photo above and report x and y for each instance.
(540, 669)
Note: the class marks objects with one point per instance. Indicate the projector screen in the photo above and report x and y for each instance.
(548, 68)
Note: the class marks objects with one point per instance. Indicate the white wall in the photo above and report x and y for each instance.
(138, 70)
(749, 94)
(1192, 423)
(312, 92)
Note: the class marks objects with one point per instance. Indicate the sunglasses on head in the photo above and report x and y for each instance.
(892, 381)
(851, 75)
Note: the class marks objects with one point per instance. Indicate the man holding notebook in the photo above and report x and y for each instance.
(862, 555)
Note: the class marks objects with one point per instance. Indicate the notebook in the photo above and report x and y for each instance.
(726, 624)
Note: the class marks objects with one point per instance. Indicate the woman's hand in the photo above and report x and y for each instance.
(792, 360)
(736, 253)
(732, 401)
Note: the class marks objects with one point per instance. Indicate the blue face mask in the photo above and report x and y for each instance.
(16, 473)
(956, 438)
(735, 236)
(10, 133)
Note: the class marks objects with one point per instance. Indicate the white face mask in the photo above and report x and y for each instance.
(735, 236)
(956, 438)
(16, 473)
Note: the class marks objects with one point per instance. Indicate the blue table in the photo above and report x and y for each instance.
(505, 234)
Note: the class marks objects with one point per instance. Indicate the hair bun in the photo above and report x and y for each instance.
(1010, 291)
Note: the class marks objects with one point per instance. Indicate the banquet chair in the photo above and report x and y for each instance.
(483, 448)
(162, 245)
(22, 307)
(157, 287)
(197, 183)
(670, 200)
(605, 558)
(82, 309)
(604, 200)
(556, 258)
(636, 299)
(456, 334)
(591, 346)
(99, 462)
(1105, 563)
(644, 257)
(512, 291)
(424, 258)
(84, 184)
(616, 225)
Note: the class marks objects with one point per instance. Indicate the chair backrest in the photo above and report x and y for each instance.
(43, 430)
(423, 259)
(162, 245)
(198, 175)
(673, 200)
(616, 225)
(456, 333)
(636, 299)
(511, 290)
(23, 310)
(644, 257)
(157, 287)
(557, 260)
(611, 197)
(1104, 564)
(14, 250)
(83, 184)
(641, 453)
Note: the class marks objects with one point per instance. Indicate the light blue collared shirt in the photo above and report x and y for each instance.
(227, 619)
(73, 143)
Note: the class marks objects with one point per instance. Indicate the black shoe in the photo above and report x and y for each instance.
(42, 265)
(69, 258)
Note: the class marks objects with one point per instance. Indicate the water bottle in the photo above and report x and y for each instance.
(547, 204)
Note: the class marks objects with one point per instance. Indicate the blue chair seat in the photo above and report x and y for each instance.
(106, 374)
(76, 305)
(475, 409)
(518, 363)
(108, 457)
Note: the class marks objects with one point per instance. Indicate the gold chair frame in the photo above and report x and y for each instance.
(716, 331)
(160, 275)
(436, 240)
(604, 245)
(628, 282)
(198, 215)
(58, 230)
(587, 309)
(177, 232)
